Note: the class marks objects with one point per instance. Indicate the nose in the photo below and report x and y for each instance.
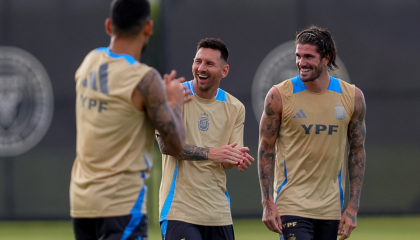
(300, 62)
(202, 67)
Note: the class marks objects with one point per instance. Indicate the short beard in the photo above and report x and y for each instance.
(317, 74)
(203, 89)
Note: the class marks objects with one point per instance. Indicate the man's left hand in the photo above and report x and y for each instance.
(348, 222)
(247, 160)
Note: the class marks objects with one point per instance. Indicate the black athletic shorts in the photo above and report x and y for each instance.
(300, 228)
(177, 230)
(130, 227)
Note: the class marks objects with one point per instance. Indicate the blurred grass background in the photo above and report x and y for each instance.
(383, 228)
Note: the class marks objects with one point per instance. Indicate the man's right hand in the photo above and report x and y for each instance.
(175, 91)
(271, 217)
(226, 154)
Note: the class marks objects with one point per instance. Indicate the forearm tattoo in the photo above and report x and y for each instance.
(357, 155)
(163, 119)
(189, 153)
(194, 153)
(266, 171)
(269, 127)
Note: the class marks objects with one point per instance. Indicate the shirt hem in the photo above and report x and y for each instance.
(203, 223)
(312, 216)
(94, 214)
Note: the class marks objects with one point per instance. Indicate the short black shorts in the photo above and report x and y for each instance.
(177, 230)
(300, 228)
(130, 227)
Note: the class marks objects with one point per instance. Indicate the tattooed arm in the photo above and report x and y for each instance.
(162, 100)
(223, 154)
(356, 164)
(269, 128)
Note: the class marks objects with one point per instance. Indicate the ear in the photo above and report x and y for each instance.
(225, 70)
(326, 60)
(148, 28)
(108, 26)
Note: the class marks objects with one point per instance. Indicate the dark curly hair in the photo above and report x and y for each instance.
(323, 40)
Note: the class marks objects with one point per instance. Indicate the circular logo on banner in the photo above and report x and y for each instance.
(277, 66)
(26, 101)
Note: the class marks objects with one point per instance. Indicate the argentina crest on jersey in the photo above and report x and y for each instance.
(339, 113)
(203, 124)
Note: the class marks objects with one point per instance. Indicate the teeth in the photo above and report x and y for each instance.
(202, 76)
(305, 69)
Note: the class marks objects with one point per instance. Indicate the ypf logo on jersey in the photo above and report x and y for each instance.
(26, 101)
(203, 124)
(277, 66)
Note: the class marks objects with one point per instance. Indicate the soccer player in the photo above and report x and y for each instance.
(120, 102)
(303, 134)
(194, 202)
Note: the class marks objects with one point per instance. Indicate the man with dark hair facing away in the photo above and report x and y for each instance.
(193, 200)
(120, 102)
(304, 129)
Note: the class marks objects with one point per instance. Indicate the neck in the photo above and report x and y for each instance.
(209, 94)
(320, 84)
(129, 46)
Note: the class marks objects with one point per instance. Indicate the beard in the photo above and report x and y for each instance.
(146, 42)
(202, 88)
(316, 73)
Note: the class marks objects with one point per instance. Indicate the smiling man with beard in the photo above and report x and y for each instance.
(303, 135)
(194, 202)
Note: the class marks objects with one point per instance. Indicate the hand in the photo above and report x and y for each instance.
(247, 159)
(175, 92)
(226, 154)
(271, 217)
(349, 221)
(187, 96)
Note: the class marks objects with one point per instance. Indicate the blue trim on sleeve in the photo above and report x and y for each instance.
(341, 191)
(284, 183)
(189, 85)
(128, 58)
(136, 214)
(228, 198)
(163, 228)
(298, 85)
(221, 95)
(334, 85)
(168, 202)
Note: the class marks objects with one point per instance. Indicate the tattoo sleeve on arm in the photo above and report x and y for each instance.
(189, 153)
(357, 155)
(165, 118)
(269, 128)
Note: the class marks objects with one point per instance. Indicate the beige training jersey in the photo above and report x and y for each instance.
(311, 149)
(195, 191)
(114, 140)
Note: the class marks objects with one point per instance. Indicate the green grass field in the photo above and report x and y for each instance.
(382, 228)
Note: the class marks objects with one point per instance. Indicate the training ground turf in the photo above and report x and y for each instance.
(369, 228)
